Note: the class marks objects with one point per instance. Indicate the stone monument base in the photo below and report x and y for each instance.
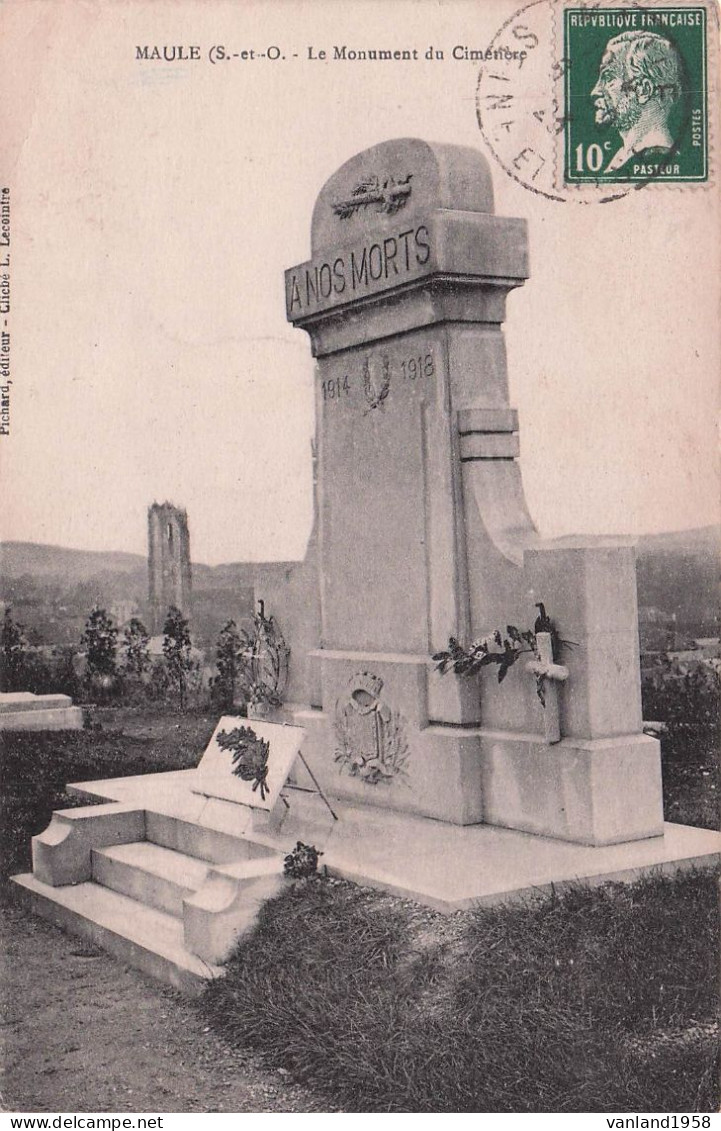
(169, 881)
(588, 791)
(447, 867)
(22, 710)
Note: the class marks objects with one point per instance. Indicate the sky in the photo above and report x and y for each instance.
(155, 207)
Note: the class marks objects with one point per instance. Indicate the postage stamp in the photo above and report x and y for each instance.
(635, 94)
(585, 103)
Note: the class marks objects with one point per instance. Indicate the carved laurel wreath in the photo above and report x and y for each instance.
(249, 755)
(376, 395)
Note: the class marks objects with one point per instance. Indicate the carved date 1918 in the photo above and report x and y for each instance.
(414, 367)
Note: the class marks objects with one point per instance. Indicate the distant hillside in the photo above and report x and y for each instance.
(52, 588)
(702, 540)
(19, 558)
(36, 561)
(680, 573)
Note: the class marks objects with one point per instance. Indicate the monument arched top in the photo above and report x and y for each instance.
(398, 180)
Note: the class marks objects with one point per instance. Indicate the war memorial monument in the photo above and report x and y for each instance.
(452, 789)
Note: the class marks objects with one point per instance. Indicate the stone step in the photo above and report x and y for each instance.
(149, 873)
(143, 937)
(203, 843)
(163, 893)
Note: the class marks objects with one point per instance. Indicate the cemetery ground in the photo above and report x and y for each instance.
(346, 999)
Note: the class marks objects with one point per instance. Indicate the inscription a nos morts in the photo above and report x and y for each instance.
(351, 273)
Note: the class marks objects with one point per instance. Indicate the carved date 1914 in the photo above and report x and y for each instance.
(335, 387)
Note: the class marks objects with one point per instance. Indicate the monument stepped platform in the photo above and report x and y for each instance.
(446, 867)
(150, 874)
(168, 880)
(143, 937)
(167, 896)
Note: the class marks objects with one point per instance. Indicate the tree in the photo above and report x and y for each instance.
(13, 656)
(177, 651)
(227, 653)
(99, 640)
(65, 675)
(135, 642)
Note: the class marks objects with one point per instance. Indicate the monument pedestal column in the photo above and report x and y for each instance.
(401, 272)
(423, 532)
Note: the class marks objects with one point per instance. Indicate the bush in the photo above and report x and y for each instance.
(227, 660)
(158, 686)
(37, 674)
(177, 653)
(13, 654)
(687, 698)
(136, 654)
(100, 641)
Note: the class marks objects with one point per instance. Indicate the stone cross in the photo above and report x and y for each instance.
(552, 674)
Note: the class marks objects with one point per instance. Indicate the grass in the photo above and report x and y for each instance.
(602, 999)
(691, 788)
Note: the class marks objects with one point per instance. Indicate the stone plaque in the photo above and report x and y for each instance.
(248, 761)
(378, 405)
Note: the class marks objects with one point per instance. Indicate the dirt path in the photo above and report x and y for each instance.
(83, 1033)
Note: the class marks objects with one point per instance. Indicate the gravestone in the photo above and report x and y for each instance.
(423, 532)
(24, 710)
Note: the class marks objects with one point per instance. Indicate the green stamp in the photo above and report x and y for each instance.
(635, 95)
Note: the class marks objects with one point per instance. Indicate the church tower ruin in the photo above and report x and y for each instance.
(169, 574)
